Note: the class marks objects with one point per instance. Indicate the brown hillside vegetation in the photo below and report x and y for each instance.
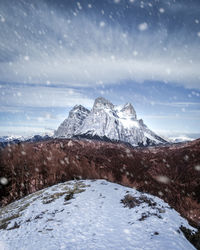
(170, 172)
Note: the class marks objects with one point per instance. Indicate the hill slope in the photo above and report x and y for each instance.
(91, 215)
(171, 172)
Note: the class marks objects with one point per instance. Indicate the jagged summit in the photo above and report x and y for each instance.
(73, 122)
(129, 110)
(101, 102)
(78, 109)
(108, 120)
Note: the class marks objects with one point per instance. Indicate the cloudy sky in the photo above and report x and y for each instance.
(55, 54)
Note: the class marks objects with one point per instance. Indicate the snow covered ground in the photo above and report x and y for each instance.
(90, 215)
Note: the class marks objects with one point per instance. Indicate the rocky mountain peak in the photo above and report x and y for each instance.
(75, 119)
(79, 107)
(78, 110)
(129, 110)
(101, 102)
(107, 120)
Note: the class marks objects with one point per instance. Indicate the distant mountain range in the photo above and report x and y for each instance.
(108, 121)
(5, 140)
(105, 122)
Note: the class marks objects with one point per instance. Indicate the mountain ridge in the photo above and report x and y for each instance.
(107, 120)
(85, 214)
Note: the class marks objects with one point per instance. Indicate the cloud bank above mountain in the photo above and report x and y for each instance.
(87, 45)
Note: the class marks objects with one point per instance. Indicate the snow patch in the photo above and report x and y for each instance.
(90, 215)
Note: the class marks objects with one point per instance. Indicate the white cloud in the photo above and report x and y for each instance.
(23, 130)
(89, 70)
(41, 97)
(178, 104)
(76, 51)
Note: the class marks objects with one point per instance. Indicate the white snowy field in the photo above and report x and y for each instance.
(90, 215)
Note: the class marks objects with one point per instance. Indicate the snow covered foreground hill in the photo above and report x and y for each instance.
(106, 120)
(92, 214)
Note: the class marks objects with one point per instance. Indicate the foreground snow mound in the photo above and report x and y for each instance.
(92, 214)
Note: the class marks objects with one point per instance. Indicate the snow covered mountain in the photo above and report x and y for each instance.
(11, 138)
(91, 214)
(107, 120)
(8, 140)
(75, 119)
(180, 138)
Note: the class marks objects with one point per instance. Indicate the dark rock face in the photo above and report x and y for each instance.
(171, 172)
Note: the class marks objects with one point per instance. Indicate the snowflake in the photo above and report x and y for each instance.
(135, 53)
(197, 168)
(2, 19)
(26, 58)
(102, 24)
(79, 6)
(143, 26)
(163, 179)
(3, 181)
(161, 10)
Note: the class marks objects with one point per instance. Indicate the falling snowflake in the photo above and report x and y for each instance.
(161, 10)
(26, 58)
(102, 24)
(3, 181)
(168, 70)
(163, 179)
(2, 19)
(79, 6)
(135, 53)
(70, 143)
(197, 168)
(143, 26)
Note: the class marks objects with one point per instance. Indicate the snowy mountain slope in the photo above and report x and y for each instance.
(181, 138)
(115, 123)
(91, 215)
(9, 140)
(75, 119)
